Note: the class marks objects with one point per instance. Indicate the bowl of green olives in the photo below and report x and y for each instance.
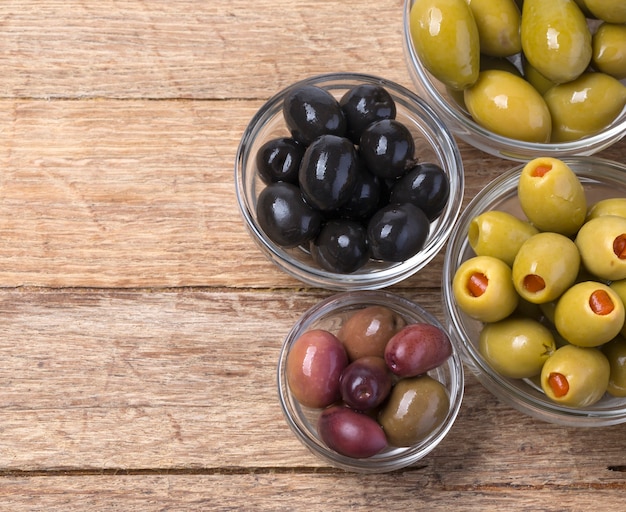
(534, 287)
(369, 381)
(348, 181)
(522, 79)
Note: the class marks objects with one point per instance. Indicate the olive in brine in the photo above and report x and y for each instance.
(498, 234)
(445, 38)
(589, 314)
(499, 96)
(483, 289)
(397, 232)
(551, 196)
(284, 216)
(516, 347)
(311, 111)
(328, 172)
(545, 266)
(584, 106)
(555, 38)
(602, 245)
(416, 407)
(575, 376)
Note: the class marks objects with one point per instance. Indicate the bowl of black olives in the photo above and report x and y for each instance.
(534, 289)
(369, 381)
(521, 80)
(348, 181)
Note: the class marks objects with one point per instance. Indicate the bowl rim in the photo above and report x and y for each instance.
(591, 169)
(390, 273)
(394, 458)
(467, 129)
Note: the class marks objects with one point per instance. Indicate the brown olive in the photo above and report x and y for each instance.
(416, 407)
(368, 330)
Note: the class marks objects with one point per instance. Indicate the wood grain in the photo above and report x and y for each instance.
(141, 325)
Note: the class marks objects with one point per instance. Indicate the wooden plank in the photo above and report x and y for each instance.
(136, 193)
(282, 492)
(138, 380)
(189, 49)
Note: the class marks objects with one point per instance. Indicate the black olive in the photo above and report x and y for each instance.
(328, 172)
(341, 246)
(284, 216)
(364, 104)
(397, 232)
(279, 160)
(426, 186)
(365, 198)
(388, 148)
(311, 111)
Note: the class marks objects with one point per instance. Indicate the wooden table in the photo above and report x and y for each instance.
(140, 324)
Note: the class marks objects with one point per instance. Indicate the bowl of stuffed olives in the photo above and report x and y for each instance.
(348, 181)
(522, 79)
(369, 381)
(534, 287)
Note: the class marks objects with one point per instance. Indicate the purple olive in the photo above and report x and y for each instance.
(314, 365)
(417, 348)
(351, 433)
(365, 383)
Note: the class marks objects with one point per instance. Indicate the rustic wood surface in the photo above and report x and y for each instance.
(140, 324)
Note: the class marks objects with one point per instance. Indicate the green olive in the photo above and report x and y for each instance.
(536, 79)
(575, 376)
(516, 347)
(584, 106)
(551, 196)
(498, 23)
(613, 11)
(508, 105)
(609, 206)
(602, 245)
(609, 50)
(546, 265)
(416, 407)
(483, 289)
(619, 287)
(589, 314)
(615, 352)
(445, 38)
(556, 39)
(498, 234)
(583, 8)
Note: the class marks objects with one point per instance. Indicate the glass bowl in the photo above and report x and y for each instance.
(330, 314)
(601, 179)
(433, 142)
(462, 125)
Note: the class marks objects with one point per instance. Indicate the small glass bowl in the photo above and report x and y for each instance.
(601, 179)
(330, 314)
(462, 125)
(433, 142)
